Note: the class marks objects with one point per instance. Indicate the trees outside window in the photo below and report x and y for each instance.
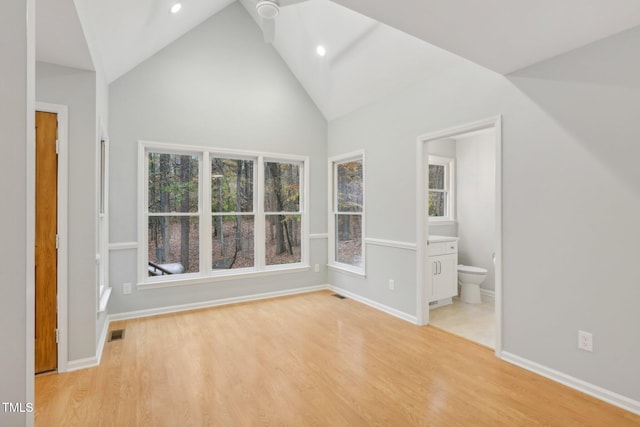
(213, 212)
(440, 197)
(282, 213)
(173, 220)
(347, 212)
(232, 206)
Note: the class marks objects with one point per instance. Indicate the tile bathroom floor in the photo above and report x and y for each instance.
(475, 322)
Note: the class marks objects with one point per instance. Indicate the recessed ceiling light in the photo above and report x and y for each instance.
(176, 8)
(320, 50)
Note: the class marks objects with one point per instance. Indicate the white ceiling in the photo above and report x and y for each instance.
(505, 35)
(368, 57)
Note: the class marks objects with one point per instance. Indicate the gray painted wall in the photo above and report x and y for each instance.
(476, 201)
(77, 89)
(16, 366)
(219, 85)
(571, 199)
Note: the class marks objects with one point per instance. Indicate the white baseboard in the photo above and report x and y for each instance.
(90, 362)
(487, 295)
(214, 303)
(87, 362)
(575, 383)
(385, 308)
(103, 339)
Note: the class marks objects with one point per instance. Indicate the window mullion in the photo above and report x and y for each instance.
(205, 215)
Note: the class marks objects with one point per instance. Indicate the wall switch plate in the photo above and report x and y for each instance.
(126, 288)
(316, 268)
(392, 284)
(585, 341)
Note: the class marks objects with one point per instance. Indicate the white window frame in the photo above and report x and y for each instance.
(207, 274)
(449, 164)
(332, 204)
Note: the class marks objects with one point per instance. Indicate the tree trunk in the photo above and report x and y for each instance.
(164, 169)
(239, 196)
(274, 170)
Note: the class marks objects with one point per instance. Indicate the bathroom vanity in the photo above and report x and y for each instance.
(442, 252)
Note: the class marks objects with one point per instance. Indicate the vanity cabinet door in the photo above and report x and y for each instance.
(444, 270)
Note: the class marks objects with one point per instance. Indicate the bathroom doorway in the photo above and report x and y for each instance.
(459, 212)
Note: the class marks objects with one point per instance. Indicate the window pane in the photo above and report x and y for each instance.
(349, 186)
(283, 239)
(173, 245)
(437, 203)
(436, 177)
(349, 239)
(173, 183)
(233, 239)
(282, 187)
(231, 185)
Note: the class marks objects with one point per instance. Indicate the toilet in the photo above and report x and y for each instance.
(469, 279)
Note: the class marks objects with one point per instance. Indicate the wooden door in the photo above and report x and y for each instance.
(46, 253)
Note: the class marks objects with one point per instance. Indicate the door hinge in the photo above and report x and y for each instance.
(57, 241)
(57, 146)
(57, 336)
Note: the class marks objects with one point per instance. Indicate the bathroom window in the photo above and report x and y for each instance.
(441, 198)
(346, 217)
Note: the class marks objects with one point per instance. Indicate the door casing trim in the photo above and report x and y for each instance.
(422, 226)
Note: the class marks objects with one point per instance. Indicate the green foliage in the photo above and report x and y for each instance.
(173, 180)
(350, 186)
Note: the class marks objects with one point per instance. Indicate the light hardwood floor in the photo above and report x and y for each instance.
(310, 359)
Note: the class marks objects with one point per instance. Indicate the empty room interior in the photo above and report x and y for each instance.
(320, 212)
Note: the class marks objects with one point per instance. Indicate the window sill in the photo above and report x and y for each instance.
(221, 278)
(349, 271)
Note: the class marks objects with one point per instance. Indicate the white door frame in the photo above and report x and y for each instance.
(424, 268)
(62, 112)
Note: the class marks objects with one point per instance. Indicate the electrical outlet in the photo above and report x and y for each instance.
(316, 268)
(392, 284)
(126, 288)
(585, 341)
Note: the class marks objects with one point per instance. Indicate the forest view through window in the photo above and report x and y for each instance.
(440, 197)
(208, 226)
(348, 210)
(173, 220)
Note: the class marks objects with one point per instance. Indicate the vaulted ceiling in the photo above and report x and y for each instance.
(373, 47)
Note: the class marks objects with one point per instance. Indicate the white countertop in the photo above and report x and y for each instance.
(435, 239)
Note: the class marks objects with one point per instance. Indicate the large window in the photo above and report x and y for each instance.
(441, 189)
(346, 246)
(217, 213)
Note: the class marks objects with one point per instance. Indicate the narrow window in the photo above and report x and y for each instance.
(232, 206)
(347, 216)
(283, 213)
(440, 197)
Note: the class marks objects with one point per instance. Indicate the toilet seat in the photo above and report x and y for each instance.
(471, 269)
